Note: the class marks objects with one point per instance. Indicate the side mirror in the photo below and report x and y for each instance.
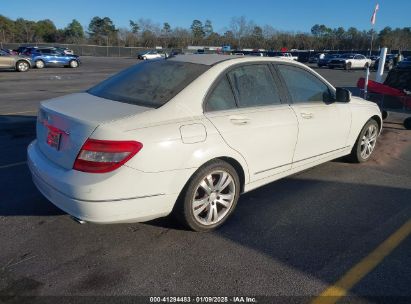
(342, 95)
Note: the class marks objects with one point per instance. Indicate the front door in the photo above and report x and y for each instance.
(323, 123)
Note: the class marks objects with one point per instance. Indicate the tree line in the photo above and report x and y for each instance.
(240, 33)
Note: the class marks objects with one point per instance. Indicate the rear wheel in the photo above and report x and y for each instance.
(407, 123)
(209, 197)
(366, 66)
(39, 64)
(73, 64)
(365, 144)
(22, 66)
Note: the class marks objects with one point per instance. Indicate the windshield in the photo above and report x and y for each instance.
(149, 84)
(347, 56)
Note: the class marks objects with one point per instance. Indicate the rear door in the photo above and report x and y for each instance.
(48, 56)
(324, 125)
(245, 106)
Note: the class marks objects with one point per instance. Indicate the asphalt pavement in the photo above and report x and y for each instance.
(286, 242)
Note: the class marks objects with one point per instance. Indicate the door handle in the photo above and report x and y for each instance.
(307, 115)
(239, 120)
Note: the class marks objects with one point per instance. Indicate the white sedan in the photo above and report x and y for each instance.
(148, 55)
(191, 133)
(350, 61)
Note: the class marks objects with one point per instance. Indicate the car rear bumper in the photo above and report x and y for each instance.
(125, 197)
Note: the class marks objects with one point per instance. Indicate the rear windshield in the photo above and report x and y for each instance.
(149, 84)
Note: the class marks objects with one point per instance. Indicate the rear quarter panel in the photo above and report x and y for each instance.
(165, 150)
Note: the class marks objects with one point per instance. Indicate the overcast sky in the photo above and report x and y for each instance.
(288, 15)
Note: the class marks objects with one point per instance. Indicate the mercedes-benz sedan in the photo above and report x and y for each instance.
(191, 133)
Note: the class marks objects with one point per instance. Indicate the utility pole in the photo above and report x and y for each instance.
(367, 75)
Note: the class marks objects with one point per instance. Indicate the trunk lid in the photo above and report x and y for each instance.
(65, 123)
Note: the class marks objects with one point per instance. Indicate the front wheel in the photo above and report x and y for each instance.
(348, 66)
(209, 197)
(365, 144)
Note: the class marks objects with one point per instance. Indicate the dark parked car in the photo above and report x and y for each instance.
(51, 57)
(26, 50)
(326, 59)
(313, 58)
(405, 64)
(373, 59)
(389, 62)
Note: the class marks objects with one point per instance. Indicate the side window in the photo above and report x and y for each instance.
(302, 86)
(221, 98)
(254, 86)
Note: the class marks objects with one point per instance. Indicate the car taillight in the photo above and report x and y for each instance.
(100, 156)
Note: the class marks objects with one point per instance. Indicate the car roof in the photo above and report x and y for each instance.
(215, 59)
(206, 59)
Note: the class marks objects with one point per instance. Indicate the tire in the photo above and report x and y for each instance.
(347, 66)
(384, 114)
(360, 153)
(366, 66)
(407, 123)
(39, 64)
(73, 64)
(22, 66)
(211, 210)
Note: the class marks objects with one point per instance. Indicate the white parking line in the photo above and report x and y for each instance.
(13, 165)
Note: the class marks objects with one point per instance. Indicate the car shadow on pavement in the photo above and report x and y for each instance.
(18, 194)
(314, 227)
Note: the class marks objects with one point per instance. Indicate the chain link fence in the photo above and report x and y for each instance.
(87, 50)
(122, 51)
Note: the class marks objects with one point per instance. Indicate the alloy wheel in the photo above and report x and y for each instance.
(213, 198)
(23, 66)
(368, 141)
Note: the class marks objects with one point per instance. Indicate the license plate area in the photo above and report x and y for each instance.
(53, 138)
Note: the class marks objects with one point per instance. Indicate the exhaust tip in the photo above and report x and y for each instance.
(79, 221)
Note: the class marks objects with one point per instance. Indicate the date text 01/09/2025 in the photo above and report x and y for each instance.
(200, 299)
